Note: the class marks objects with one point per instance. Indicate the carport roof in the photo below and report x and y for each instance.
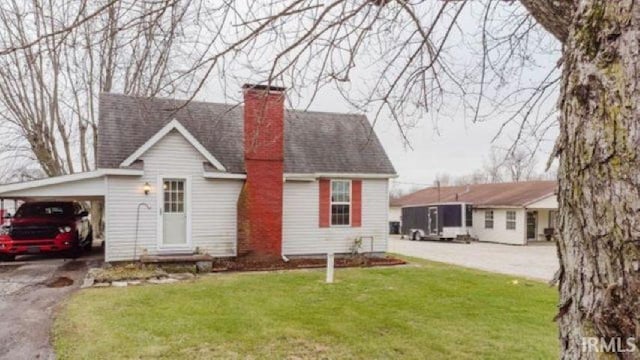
(499, 194)
(86, 185)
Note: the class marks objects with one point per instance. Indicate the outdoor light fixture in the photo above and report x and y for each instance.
(147, 188)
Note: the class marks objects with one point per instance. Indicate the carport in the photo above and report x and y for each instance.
(85, 187)
(88, 186)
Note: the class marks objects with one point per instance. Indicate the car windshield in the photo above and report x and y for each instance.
(46, 210)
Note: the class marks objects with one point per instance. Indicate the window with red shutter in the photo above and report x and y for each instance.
(323, 201)
(356, 200)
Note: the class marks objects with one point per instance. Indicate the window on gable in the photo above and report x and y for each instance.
(511, 220)
(340, 202)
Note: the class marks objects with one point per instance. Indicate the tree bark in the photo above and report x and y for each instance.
(553, 15)
(599, 179)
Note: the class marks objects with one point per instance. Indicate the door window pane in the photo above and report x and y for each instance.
(174, 195)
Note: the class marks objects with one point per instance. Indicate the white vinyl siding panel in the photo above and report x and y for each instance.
(499, 233)
(303, 236)
(395, 213)
(93, 187)
(213, 204)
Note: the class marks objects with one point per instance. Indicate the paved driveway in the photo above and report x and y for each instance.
(30, 291)
(533, 261)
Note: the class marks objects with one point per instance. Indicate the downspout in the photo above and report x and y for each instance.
(283, 256)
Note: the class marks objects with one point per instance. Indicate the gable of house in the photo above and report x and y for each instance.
(174, 126)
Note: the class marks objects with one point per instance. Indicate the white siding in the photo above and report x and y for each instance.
(543, 221)
(303, 235)
(395, 213)
(213, 207)
(93, 187)
(499, 233)
(550, 202)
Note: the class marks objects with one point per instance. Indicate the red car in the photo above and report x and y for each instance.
(46, 227)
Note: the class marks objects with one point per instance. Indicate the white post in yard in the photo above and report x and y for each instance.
(330, 263)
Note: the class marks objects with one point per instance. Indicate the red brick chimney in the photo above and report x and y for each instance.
(260, 203)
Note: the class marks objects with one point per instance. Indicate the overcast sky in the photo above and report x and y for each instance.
(438, 145)
(446, 141)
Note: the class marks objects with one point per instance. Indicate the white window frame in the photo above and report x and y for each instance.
(331, 202)
(487, 212)
(514, 220)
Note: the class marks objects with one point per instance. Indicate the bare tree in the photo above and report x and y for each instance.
(398, 190)
(493, 168)
(408, 48)
(520, 165)
(478, 176)
(443, 179)
(49, 89)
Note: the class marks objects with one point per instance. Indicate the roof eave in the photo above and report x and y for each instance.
(318, 175)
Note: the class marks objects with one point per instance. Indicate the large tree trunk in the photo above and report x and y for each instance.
(599, 179)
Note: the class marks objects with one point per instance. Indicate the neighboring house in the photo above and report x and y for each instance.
(510, 213)
(226, 180)
(395, 216)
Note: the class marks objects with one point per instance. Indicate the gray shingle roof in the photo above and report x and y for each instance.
(314, 141)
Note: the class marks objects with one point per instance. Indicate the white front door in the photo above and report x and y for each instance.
(174, 213)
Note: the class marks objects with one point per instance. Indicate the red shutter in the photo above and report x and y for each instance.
(356, 203)
(324, 201)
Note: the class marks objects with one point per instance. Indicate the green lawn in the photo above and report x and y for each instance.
(430, 310)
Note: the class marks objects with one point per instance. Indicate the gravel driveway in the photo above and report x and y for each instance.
(534, 261)
(30, 292)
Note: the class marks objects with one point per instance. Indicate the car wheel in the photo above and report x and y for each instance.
(415, 236)
(7, 257)
(76, 250)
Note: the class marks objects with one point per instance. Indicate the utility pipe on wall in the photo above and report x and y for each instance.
(135, 242)
(330, 265)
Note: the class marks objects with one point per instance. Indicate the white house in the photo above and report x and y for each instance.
(180, 178)
(509, 213)
(395, 216)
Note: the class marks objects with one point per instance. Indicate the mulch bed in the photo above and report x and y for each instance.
(253, 264)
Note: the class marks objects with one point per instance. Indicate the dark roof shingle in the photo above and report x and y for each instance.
(314, 141)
